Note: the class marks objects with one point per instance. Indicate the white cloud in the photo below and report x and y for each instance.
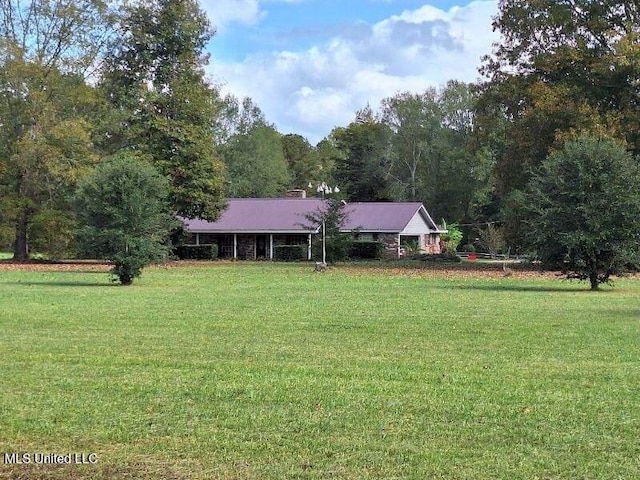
(248, 12)
(223, 12)
(310, 92)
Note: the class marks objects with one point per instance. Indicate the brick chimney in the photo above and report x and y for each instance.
(296, 193)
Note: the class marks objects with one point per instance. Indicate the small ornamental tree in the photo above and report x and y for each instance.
(584, 210)
(338, 245)
(123, 215)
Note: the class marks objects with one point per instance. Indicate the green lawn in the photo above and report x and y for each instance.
(270, 371)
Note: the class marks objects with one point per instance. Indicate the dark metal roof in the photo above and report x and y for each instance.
(289, 215)
(379, 216)
(260, 215)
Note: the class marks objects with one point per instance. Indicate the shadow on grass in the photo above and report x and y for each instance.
(521, 288)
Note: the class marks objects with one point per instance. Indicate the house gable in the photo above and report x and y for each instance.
(421, 223)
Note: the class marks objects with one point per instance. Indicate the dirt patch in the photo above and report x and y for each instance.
(64, 266)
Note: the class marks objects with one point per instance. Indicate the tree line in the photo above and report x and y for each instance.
(87, 82)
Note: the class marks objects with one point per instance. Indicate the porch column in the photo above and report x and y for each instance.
(197, 239)
(271, 246)
(309, 249)
(398, 245)
(235, 246)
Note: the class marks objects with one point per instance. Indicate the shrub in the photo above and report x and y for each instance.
(452, 238)
(290, 253)
(338, 247)
(435, 258)
(367, 249)
(196, 252)
(123, 215)
(468, 247)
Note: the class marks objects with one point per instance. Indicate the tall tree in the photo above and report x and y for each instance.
(562, 68)
(47, 48)
(154, 77)
(433, 158)
(251, 149)
(256, 163)
(362, 168)
(415, 120)
(305, 164)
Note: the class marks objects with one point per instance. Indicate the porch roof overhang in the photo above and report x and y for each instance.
(251, 232)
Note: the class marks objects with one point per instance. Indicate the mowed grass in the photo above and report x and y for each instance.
(270, 371)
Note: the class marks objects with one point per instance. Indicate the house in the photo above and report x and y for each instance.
(250, 228)
(396, 224)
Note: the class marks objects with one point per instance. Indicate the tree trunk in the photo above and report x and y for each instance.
(593, 278)
(20, 246)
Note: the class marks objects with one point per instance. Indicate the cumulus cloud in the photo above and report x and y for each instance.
(223, 12)
(310, 92)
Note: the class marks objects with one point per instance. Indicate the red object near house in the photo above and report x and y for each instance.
(472, 257)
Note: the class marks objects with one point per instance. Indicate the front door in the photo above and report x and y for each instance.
(261, 246)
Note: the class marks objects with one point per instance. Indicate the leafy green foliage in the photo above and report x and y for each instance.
(367, 249)
(196, 252)
(45, 146)
(337, 245)
(562, 69)
(584, 210)
(47, 48)
(364, 158)
(162, 105)
(123, 215)
(255, 163)
(419, 148)
(290, 253)
(304, 162)
(452, 238)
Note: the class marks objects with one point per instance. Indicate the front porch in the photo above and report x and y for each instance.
(251, 246)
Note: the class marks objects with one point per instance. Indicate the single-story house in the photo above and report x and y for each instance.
(250, 228)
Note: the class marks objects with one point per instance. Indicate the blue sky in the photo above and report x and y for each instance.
(311, 64)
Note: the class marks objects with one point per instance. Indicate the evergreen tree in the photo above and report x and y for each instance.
(124, 216)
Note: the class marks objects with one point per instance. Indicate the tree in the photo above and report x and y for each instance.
(154, 79)
(563, 68)
(252, 150)
(255, 163)
(584, 210)
(433, 157)
(46, 148)
(235, 117)
(331, 216)
(47, 50)
(361, 168)
(415, 120)
(124, 215)
(305, 165)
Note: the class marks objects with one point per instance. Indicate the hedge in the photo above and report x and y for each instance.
(367, 249)
(197, 252)
(290, 253)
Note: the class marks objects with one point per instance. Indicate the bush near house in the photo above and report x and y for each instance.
(362, 249)
(196, 252)
(290, 253)
(435, 258)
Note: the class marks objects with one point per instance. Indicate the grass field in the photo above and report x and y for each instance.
(269, 371)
